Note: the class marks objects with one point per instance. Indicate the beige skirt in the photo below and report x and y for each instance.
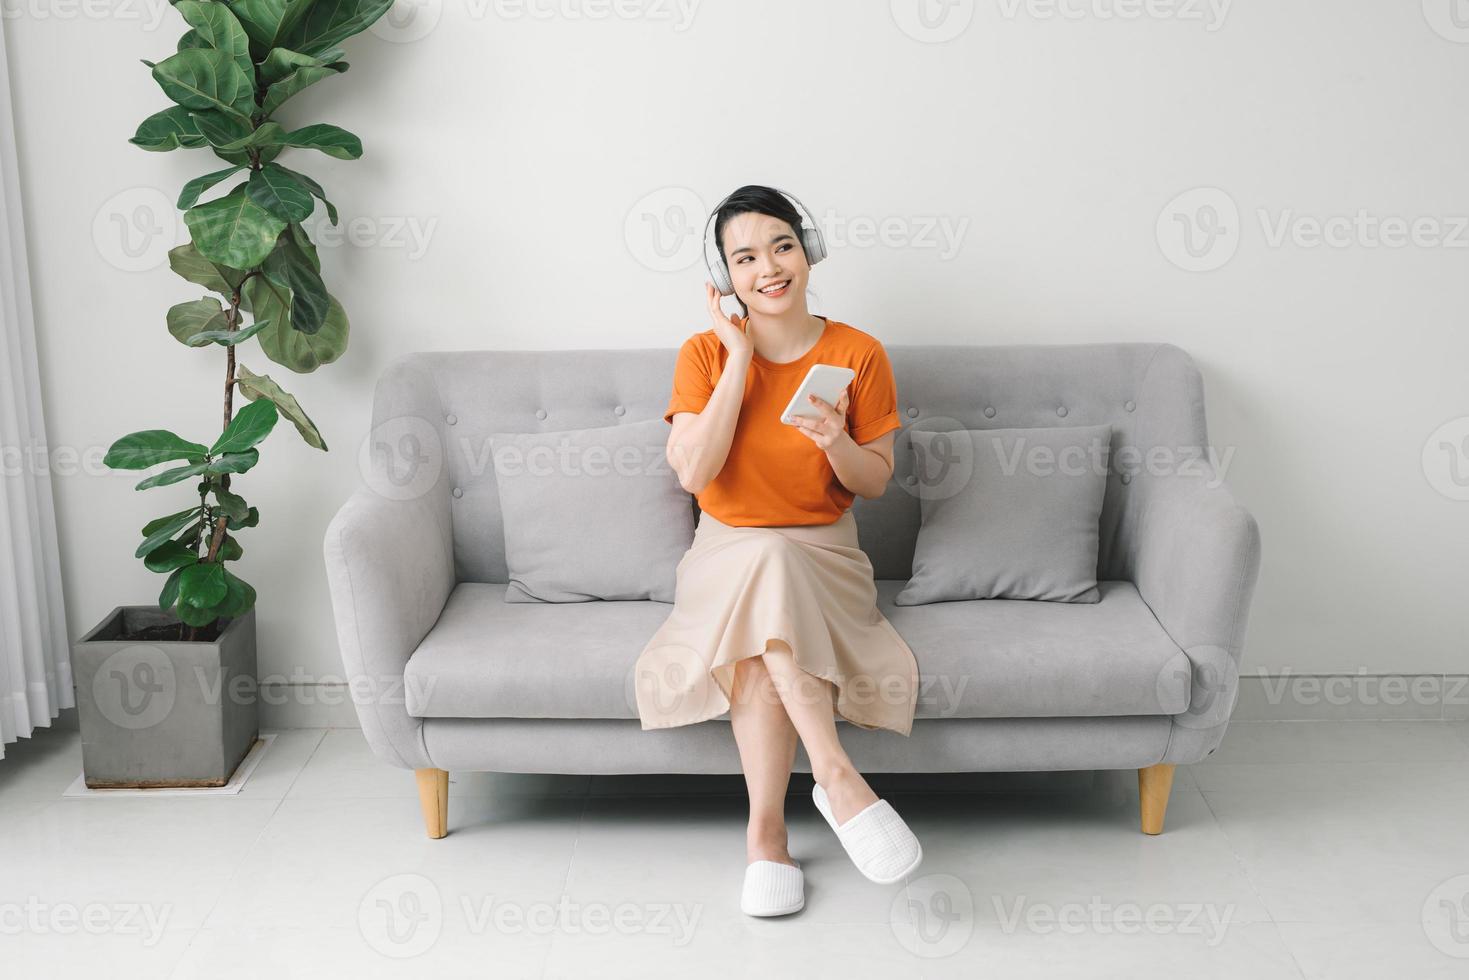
(808, 585)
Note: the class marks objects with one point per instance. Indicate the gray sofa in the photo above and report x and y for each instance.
(447, 676)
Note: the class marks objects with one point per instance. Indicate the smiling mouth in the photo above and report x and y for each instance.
(775, 289)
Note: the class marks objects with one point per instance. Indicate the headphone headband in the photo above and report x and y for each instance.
(811, 241)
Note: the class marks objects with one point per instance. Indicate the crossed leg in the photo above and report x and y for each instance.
(774, 702)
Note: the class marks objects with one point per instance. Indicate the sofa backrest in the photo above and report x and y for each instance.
(1151, 393)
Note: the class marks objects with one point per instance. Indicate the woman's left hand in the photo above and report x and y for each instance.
(826, 430)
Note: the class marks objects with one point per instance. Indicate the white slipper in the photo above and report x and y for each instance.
(773, 888)
(877, 840)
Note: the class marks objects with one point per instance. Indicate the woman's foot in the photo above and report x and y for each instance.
(848, 793)
(767, 842)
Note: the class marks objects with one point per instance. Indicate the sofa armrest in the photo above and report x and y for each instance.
(390, 569)
(1196, 565)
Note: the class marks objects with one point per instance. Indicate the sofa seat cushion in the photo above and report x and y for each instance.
(977, 658)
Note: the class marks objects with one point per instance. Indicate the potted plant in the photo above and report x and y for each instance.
(166, 693)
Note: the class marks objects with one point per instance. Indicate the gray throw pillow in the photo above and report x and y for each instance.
(1008, 513)
(591, 513)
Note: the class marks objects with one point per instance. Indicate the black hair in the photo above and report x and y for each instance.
(759, 199)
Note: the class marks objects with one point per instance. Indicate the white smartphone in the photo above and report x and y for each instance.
(826, 382)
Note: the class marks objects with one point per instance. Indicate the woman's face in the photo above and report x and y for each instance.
(764, 251)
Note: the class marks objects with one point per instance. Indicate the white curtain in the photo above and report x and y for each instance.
(35, 658)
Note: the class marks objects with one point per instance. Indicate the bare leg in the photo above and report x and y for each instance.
(767, 744)
(808, 701)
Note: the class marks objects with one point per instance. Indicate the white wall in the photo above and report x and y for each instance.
(527, 146)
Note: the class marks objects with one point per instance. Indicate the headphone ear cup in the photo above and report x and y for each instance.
(814, 244)
(721, 279)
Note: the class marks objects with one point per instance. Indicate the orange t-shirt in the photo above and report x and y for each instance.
(774, 475)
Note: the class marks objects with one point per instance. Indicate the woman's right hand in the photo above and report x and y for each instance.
(733, 331)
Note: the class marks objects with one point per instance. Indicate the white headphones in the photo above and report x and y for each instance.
(811, 241)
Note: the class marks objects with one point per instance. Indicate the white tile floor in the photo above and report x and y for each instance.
(1301, 849)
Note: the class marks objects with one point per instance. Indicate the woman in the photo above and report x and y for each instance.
(775, 612)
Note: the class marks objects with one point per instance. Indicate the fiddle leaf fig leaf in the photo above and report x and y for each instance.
(206, 78)
(277, 190)
(226, 338)
(187, 319)
(297, 81)
(140, 450)
(172, 476)
(268, 22)
(287, 346)
(190, 194)
(168, 130)
(261, 386)
(316, 192)
(250, 424)
(235, 462)
(329, 22)
(202, 585)
(216, 26)
(233, 230)
(334, 141)
(187, 262)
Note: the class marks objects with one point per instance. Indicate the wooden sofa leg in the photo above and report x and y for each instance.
(433, 796)
(1153, 786)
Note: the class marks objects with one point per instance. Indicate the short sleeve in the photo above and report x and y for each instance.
(693, 383)
(873, 407)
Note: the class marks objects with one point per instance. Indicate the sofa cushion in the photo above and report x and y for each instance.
(591, 513)
(1008, 513)
(981, 658)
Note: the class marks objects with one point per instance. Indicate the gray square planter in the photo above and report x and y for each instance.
(161, 712)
